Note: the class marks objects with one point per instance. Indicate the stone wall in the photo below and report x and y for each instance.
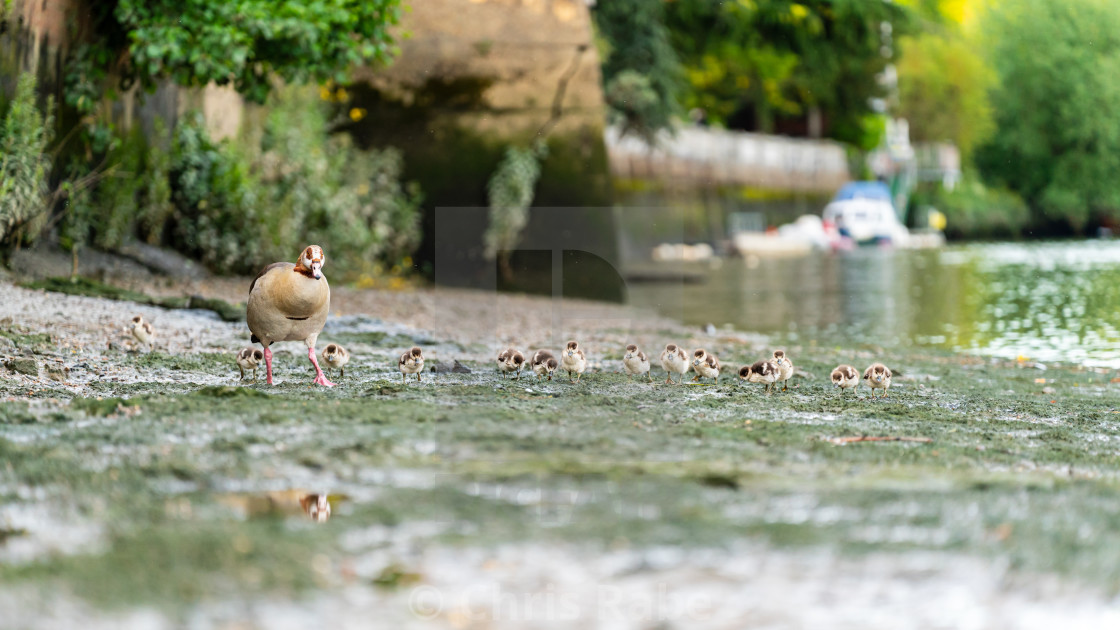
(501, 65)
(473, 78)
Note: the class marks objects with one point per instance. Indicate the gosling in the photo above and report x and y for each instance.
(411, 362)
(785, 368)
(635, 362)
(249, 359)
(878, 376)
(510, 360)
(674, 361)
(573, 361)
(336, 357)
(543, 364)
(143, 332)
(765, 372)
(845, 377)
(706, 365)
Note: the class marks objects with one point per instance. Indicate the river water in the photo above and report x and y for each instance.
(1052, 301)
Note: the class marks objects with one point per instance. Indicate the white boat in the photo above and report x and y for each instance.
(864, 213)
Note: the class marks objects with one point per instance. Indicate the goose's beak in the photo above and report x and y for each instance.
(316, 269)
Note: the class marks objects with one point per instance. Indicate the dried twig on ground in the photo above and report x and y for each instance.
(881, 438)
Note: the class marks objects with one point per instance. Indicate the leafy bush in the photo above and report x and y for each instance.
(25, 164)
(320, 188)
(289, 184)
(973, 210)
(215, 197)
(156, 208)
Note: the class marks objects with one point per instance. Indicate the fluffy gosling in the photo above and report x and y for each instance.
(785, 368)
(705, 364)
(336, 357)
(635, 362)
(844, 377)
(411, 362)
(510, 360)
(543, 364)
(765, 372)
(674, 361)
(317, 506)
(249, 359)
(573, 361)
(878, 376)
(143, 332)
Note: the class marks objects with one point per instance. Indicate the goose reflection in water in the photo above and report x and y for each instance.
(317, 506)
(283, 502)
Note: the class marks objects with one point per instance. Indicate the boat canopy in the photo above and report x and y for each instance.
(877, 191)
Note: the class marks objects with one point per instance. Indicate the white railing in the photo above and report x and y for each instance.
(705, 157)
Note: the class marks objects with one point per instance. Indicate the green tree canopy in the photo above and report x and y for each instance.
(943, 88)
(246, 43)
(782, 57)
(1057, 139)
(641, 74)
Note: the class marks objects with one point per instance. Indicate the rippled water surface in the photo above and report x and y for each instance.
(1048, 301)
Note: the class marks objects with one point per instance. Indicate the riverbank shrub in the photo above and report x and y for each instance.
(25, 164)
(975, 211)
(215, 199)
(319, 187)
(241, 204)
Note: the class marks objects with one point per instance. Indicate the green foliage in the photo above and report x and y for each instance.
(320, 188)
(771, 58)
(246, 43)
(1057, 140)
(216, 200)
(118, 193)
(641, 74)
(241, 206)
(238, 206)
(156, 209)
(25, 165)
(973, 210)
(943, 87)
(84, 77)
(109, 206)
(510, 192)
(635, 105)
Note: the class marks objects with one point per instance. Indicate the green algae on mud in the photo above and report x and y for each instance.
(91, 288)
(608, 461)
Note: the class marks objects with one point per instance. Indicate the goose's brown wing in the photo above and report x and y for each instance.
(267, 269)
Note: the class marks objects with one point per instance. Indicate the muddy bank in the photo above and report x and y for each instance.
(152, 489)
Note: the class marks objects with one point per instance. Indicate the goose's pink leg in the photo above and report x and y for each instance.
(268, 363)
(320, 378)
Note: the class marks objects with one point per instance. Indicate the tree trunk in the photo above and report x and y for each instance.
(504, 267)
